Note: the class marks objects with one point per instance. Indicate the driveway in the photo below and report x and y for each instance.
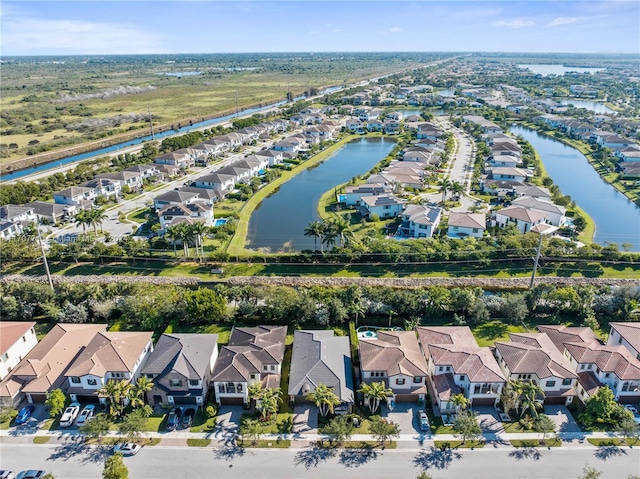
(489, 420)
(305, 419)
(562, 418)
(228, 422)
(405, 415)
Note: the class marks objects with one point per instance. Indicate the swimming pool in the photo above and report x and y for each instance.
(367, 335)
(219, 222)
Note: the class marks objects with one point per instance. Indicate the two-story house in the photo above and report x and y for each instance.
(457, 365)
(464, 224)
(395, 358)
(108, 356)
(180, 367)
(76, 195)
(384, 206)
(626, 334)
(253, 355)
(522, 218)
(420, 221)
(17, 338)
(534, 357)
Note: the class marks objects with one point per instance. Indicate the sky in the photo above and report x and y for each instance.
(178, 26)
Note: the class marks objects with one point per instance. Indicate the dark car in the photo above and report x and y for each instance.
(31, 474)
(24, 414)
(187, 418)
(174, 419)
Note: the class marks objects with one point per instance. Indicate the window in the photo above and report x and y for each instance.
(194, 382)
(417, 379)
(606, 375)
(475, 230)
(455, 228)
(566, 382)
(24, 339)
(400, 381)
(92, 382)
(550, 384)
(175, 383)
(75, 380)
(272, 367)
(462, 377)
(220, 388)
(582, 366)
(448, 368)
(5, 357)
(149, 376)
(117, 375)
(440, 369)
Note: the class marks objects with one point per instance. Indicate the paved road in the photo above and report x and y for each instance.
(83, 462)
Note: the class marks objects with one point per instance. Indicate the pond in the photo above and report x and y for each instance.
(594, 106)
(617, 218)
(283, 216)
(551, 69)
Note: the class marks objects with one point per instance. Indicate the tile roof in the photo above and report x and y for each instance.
(396, 352)
(445, 386)
(560, 334)
(520, 213)
(467, 220)
(630, 332)
(608, 358)
(12, 331)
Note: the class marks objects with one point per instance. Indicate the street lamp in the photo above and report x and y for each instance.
(44, 258)
(541, 229)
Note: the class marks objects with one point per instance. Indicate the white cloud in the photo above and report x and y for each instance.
(515, 23)
(562, 21)
(395, 30)
(27, 36)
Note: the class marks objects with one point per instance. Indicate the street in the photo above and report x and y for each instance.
(69, 461)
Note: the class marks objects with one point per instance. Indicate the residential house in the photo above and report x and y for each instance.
(457, 365)
(420, 221)
(253, 355)
(76, 195)
(51, 213)
(321, 357)
(175, 197)
(181, 159)
(104, 187)
(274, 157)
(132, 179)
(205, 194)
(42, 369)
(354, 193)
(17, 338)
(533, 191)
(512, 174)
(631, 155)
(555, 214)
(384, 206)
(181, 366)
(9, 230)
(395, 358)
(626, 334)
(429, 131)
(374, 125)
(508, 161)
(195, 212)
(421, 155)
(18, 214)
(222, 183)
(522, 218)
(534, 357)
(108, 356)
(462, 225)
(391, 127)
(146, 172)
(355, 125)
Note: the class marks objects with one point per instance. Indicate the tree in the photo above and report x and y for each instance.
(171, 234)
(460, 401)
(341, 229)
(340, 429)
(134, 423)
(383, 430)
(56, 401)
(96, 217)
(424, 475)
(457, 188)
(589, 472)
(268, 403)
(185, 235)
(7, 408)
(601, 407)
(531, 393)
(314, 229)
(543, 423)
(250, 429)
(445, 185)
(82, 219)
(324, 398)
(139, 391)
(204, 305)
(254, 391)
(114, 468)
(97, 427)
(116, 392)
(73, 313)
(198, 230)
(466, 425)
(628, 427)
(374, 393)
(510, 396)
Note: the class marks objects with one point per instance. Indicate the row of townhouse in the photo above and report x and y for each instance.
(439, 361)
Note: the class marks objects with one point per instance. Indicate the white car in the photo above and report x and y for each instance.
(69, 415)
(634, 411)
(86, 414)
(127, 448)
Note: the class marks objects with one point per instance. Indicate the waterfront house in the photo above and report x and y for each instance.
(420, 221)
(354, 193)
(384, 206)
(175, 197)
(194, 212)
(522, 218)
(181, 366)
(555, 214)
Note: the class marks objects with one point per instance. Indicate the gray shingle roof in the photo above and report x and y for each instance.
(187, 354)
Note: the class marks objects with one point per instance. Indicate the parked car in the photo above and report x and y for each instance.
(69, 415)
(23, 416)
(31, 474)
(86, 414)
(174, 419)
(127, 448)
(423, 421)
(634, 411)
(4, 474)
(187, 418)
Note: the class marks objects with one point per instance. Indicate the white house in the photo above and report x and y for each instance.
(626, 334)
(385, 205)
(420, 221)
(197, 211)
(465, 224)
(555, 214)
(522, 218)
(76, 195)
(18, 338)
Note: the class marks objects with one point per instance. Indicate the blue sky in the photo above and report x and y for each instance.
(169, 26)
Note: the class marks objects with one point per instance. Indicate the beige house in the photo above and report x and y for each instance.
(457, 365)
(395, 358)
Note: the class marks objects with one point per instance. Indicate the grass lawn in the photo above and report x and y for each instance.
(198, 442)
(5, 423)
(51, 424)
(41, 439)
(516, 427)
(487, 334)
(112, 441)
(267, 443)
(554, 442)
(356, 445)
(458, 444)
(201, 423)
(156, 423)
(282, 424)
(614, 441)
(222, 330)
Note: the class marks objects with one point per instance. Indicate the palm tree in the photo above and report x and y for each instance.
(530, 393)
(314, 229)
(198, 230)
(510, 396)
(324, 398)
(445, 186)
(140, 388)
(254, 391)
(374, 393)
(82, 219)
(97, 217)
(460, 401)
(111, 391)
(342, 231)
(328, 236)
(457, 188)
(171, 234)
(184, 233)
(269, 402)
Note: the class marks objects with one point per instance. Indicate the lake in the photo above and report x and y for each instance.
(284, 215)
(548, 69)
(594, 106)
(617, 218)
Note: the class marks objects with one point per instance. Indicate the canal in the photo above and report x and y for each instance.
(617, 218)
(284, 215)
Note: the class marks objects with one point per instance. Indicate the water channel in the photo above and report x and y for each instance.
(617, 218)
(284, 215)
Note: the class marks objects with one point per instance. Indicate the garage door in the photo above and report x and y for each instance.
(555, 400)
(406, 398)
(483, 402)
(231, 401)
(189, 400)
(88, 399)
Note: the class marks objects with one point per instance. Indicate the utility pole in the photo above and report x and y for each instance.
(237, 109)
(44, 259)
(151, 123)
(535, 262)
